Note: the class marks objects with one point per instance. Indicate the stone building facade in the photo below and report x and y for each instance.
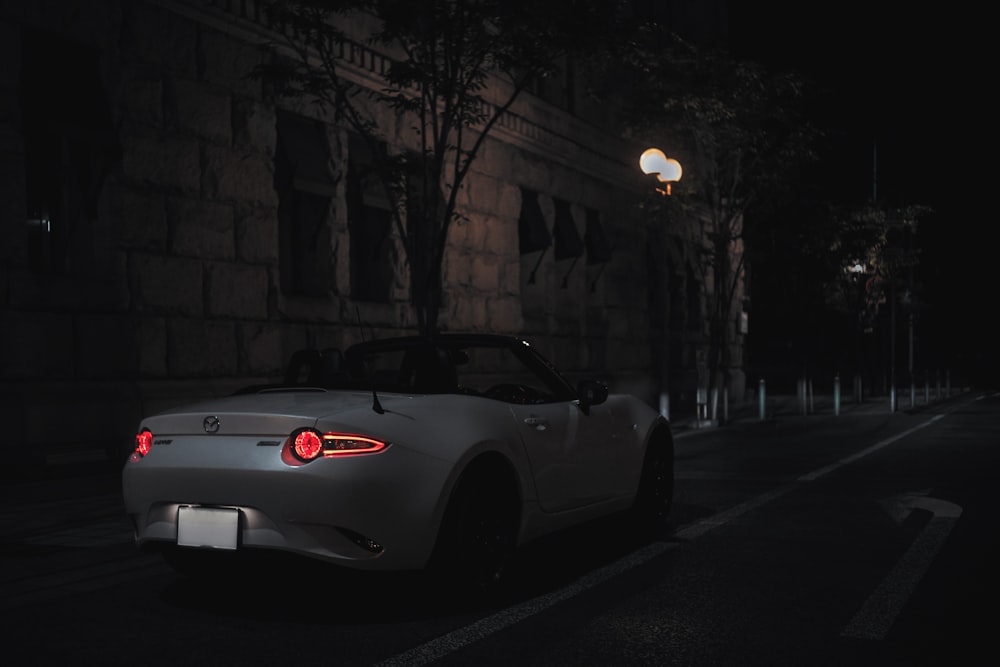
(146, 256)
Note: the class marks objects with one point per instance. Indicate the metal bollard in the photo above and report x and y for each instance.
(761, 391)
(836, 395)
(702, 401)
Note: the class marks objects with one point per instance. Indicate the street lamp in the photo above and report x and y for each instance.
(667, 170)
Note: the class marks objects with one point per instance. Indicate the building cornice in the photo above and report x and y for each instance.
(566, 139)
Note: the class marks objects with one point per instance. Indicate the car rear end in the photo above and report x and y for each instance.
(224, 481)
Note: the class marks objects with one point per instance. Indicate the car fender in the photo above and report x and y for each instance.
(429, 424)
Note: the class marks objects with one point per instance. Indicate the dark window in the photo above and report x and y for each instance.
(424, 216)
(533, 233)
(305, 188)
(369, 220)
(598, 248)
(567, 238)
(68, 148)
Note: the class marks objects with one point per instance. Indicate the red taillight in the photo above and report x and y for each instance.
(308, 445)
(143, 441)
(339, 444)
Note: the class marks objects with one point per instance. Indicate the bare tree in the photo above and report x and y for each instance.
(454, 69)
(738, 132)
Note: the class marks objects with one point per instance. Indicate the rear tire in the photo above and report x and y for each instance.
(655, 497)
(478, 535)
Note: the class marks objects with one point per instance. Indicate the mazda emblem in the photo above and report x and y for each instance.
(211, 424)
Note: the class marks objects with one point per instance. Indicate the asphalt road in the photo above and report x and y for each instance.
(865, 538)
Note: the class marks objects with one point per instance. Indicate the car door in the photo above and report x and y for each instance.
(573, 455)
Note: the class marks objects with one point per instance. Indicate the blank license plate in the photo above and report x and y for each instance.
(210, 527)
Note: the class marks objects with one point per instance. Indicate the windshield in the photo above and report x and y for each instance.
(454, 364)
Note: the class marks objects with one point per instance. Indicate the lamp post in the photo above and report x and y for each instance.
(667, 170)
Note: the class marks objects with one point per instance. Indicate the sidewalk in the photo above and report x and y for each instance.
(790, 406)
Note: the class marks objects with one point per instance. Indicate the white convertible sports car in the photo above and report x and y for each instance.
(399, 454)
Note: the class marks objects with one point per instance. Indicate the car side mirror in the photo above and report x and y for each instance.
(591, 392)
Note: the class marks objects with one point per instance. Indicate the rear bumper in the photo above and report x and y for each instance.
(378, 512)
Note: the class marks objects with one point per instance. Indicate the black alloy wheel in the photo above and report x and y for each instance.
(477, 536)
(654, 500)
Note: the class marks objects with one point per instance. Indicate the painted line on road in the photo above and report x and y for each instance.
(453, 641)
(444, 645)
(880, 610)
(816, 474)
(699, 528)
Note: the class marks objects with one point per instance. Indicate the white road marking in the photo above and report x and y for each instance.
(880, 610)
(442, 646)
(816, 474)
(453, 641)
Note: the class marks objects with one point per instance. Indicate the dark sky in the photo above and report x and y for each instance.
(909, 83)
(914, 84)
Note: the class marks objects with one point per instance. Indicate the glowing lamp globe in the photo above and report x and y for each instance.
(667, 170)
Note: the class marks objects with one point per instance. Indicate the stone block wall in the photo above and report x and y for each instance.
(176, 292)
